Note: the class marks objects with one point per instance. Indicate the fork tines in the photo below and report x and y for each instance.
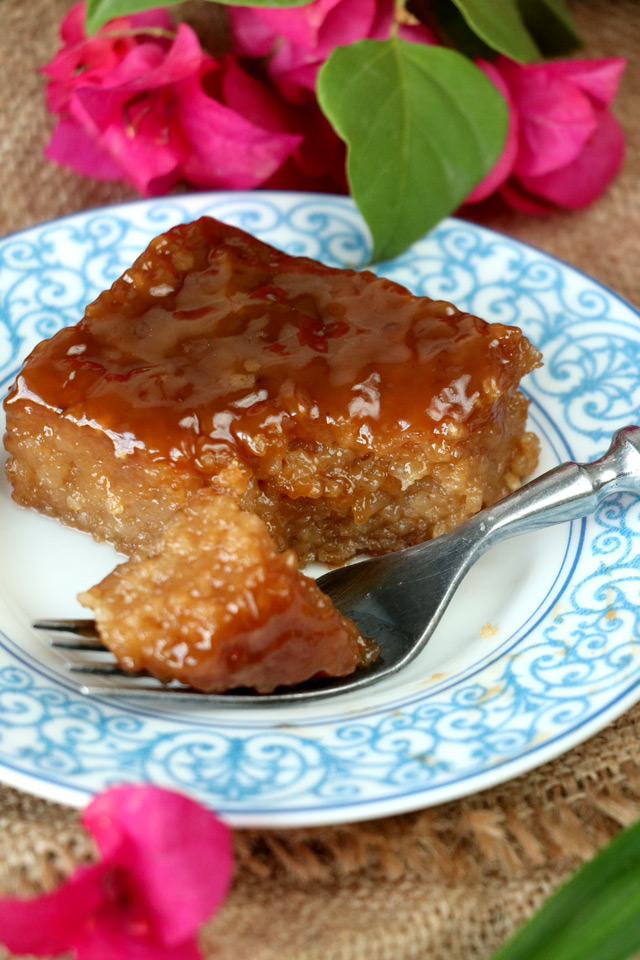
(72, 633)
(85, 654)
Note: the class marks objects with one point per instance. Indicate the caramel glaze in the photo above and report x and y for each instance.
(215, 347)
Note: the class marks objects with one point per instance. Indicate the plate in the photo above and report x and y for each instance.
(538, 651)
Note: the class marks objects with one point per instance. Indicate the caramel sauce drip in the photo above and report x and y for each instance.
(215, 346)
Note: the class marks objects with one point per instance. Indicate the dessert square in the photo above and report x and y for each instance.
(348, 414)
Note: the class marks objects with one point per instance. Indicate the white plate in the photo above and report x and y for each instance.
(538, 651)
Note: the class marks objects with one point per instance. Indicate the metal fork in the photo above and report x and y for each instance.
(398, 599)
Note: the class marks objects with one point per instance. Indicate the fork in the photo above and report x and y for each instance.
(399, 598)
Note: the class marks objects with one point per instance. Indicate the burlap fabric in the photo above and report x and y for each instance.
(448, 883)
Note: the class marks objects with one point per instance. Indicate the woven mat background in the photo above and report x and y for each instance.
(449, 883)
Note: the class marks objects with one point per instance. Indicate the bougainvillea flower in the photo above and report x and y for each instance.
(138, 110)
(165, 867)
(86, 61)
(298, 40)
(560, 105)
(569, 145)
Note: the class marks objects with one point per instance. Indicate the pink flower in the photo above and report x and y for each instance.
(298, 40)
(569, 146)
(133, 105)
(165, 867)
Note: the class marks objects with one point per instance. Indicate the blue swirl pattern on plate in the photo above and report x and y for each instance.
(555, 682)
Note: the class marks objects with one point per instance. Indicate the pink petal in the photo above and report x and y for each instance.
(519, 199)
(148, 66)
(346, 22)
(301, 39)
(74, 147)
(139, 134)
(177, 853)
(322, 152)
(72, 24)
(225, 149)
(298, 84)
(583, 181)
(157, 17)
(291, 177)
(598, 78)
(556, 118)
(111, 939)
(301, 25)
(88, 61)
(148, 161)
(383, 22)
(322, 26)
(82, 65)
(247, 96)
(250, 35)
(504, 164)
(50, 924)
(416, 33)
(293, 66)
(318, 162)
(97, 108)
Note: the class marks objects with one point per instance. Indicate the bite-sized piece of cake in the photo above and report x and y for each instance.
(216, 606)
(347, 413)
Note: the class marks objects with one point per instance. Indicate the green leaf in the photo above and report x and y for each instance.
(423, 126)
(101, 11)
(595, 916)
(499, 24)
(454, 31)
(551, 25)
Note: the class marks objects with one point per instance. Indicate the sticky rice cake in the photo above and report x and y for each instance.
(348, 414)
(216, 606)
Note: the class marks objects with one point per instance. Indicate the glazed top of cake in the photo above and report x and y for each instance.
(215, 344)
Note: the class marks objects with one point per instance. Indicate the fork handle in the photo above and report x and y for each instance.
(568, 492)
